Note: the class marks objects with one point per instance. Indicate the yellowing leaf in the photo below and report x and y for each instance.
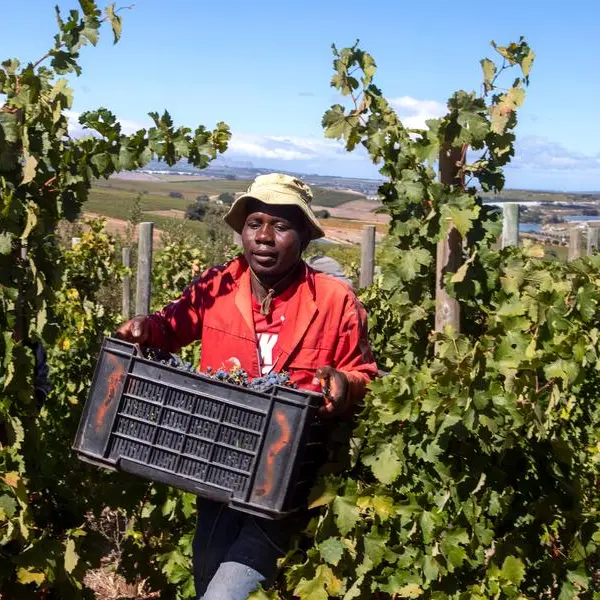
(26, 576)
(527, 62)
(411, 590)
(71, 557)
(489, 70)
(32, 220)
(115, 22)
(260, 595)
(533, 250)
(322, 494)
(460, 274)
(383, 507)
(11, 479)
(515, 97)
(317, 588)
(29, 169)
(530, 351)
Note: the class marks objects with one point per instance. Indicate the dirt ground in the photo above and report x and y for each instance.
(359, 210)
(172, 213)
(119, 226)
(107, 585)
(336, 234)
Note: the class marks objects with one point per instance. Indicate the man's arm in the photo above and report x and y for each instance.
(176, 325)
(353, 365)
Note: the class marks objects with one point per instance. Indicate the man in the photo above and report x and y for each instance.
(264, 311)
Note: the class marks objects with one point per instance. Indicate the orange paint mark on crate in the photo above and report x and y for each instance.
(276, 447)
(112, 388)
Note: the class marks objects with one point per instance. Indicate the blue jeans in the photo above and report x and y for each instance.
(234, 552)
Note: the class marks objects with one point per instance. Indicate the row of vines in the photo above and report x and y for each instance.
(473, 470)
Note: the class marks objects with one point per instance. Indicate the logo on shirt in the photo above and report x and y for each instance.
(266, 344)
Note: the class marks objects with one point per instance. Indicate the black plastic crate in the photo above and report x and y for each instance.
(256, 451)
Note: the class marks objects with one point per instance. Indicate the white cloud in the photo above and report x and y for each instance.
(264, 147)
(538, 162)
(288, 148)
(413, 112)
(538, 153)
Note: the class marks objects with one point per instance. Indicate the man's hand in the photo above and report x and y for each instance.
(335, 390)
(134, 331)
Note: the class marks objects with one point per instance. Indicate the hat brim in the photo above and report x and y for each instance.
(236, 216)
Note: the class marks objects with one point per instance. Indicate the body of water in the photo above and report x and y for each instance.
(535, 227)
(529, 227)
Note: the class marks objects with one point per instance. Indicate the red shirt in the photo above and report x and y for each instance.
(324, 324)
(267, 328)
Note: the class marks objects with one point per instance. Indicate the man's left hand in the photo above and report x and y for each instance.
(335, 391)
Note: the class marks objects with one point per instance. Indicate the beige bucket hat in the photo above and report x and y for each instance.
(277, 189)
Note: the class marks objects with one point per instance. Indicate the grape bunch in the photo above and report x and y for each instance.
(240, 377)
(168, 359)
(236, 375)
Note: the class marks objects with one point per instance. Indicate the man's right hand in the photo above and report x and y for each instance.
(135, 331)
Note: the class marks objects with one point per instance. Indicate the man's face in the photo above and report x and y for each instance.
(273, 239)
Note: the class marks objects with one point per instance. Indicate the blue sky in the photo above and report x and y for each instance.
(264, 67)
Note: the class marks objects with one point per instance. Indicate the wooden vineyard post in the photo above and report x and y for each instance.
(449, 250)
(144, 269)
(367, 257)
(237, 239)
(575, 239)
(126, 284)
(510, 224)
(592, 240)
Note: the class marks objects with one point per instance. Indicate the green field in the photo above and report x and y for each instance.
(190, 188)
(117, 203)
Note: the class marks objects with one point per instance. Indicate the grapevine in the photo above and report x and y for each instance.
(476, 469)
(45, 176)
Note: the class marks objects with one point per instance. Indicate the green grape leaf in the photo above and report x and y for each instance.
(513, 569)
(332, 550)
(567, 370)
(385, 464)
(5, 242)
(346, 513)
(411, 262)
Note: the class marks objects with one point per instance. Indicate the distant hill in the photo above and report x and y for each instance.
(222, 168)
(542, 196)
(235, 170)
(160, 188)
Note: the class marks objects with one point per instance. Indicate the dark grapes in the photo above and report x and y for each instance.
(168, 359)
(240, 377)
(235, 376)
